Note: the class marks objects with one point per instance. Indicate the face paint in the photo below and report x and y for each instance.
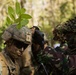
(15, 52)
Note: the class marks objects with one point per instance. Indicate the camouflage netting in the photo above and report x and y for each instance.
(66, 32)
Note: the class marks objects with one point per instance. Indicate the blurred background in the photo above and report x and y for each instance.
(46, 14)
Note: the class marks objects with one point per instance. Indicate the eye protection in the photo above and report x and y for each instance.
(20, 44)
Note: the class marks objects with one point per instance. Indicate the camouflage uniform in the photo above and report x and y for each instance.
(10, 59)
(66, 33)
(58, 60)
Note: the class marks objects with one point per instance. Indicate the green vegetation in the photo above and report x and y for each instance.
(46, 14)
(17, 16)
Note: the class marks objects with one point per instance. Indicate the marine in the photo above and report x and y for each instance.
(16, 41)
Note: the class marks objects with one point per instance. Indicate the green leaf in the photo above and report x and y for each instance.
(8, 21)
(17, 20)
(24, 22)
(18, 8)
(10, 10)
(19, 26)
(25, 16)
(23, 10)
(12, 17)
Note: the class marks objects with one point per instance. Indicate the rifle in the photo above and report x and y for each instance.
(44, 68)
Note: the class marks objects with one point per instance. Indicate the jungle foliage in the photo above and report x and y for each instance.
(17, 16)
(46, 14)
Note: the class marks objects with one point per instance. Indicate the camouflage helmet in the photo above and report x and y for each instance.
(68, 26)
(66, 32)
(23, 34)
